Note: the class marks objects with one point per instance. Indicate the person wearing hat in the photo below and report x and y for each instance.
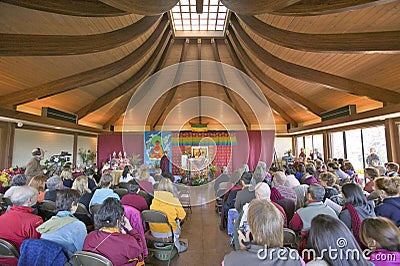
(33, 167)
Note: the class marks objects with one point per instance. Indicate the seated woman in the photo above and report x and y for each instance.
(266, 227)
(389, 189)
(126, 175)
(332, 234)
(39, 182)
(133, 199)
(104, 191)
(16, 182)
(357, 208)
(146, 181)
(328, 181)
(81, 184)
(115, 238)
(382, 236)
(165, 201)
(67, 177)
(64, 228)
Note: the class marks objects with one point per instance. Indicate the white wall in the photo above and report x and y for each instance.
(27, 140)
(282, 145)
(86, 143)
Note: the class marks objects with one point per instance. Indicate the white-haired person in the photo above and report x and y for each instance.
(263, 243)
(279, 179)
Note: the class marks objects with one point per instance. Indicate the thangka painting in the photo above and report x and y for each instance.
(156, 143)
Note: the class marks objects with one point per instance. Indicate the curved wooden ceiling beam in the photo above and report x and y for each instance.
(254, 7)
(50, 45)
(132, 82)
(273, 104)
(124, 101)
(148, 7)
(82, 8)
(271, 83)
(365, 42)
(323, 7)
(87, 77)
(315, 76)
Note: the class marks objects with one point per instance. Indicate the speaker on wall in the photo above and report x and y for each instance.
(112, 128)
(288, 126)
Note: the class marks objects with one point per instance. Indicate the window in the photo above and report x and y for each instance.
(300, 145)
(210, 23)
(308, 145)
(354, 149)
(374, 137)
(318, 143)
(337, 146)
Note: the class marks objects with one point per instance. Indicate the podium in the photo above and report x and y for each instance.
(198, 168)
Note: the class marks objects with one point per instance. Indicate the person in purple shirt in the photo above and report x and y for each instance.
(382, 236)
(133, 199)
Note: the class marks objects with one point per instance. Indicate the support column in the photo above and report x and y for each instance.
(75, 150)
(7, 144)
(327, 145)
(392, 140)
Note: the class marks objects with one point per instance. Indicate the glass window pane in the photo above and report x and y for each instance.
(185, 15)
(318, 141)
(354, 149)
(185, 9)
(213, 15)
(213, 9)
(374, 137)
(220, 28)
(337, 145)
(299, 145)
(308, 147)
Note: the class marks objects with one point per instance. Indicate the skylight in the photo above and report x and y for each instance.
(188, 23)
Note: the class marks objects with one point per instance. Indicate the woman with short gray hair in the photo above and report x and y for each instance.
(16, 181)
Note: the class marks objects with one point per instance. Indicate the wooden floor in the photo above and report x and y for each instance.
(207, 244)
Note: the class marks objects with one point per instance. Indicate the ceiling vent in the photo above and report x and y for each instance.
(339, 112)
(59, 115)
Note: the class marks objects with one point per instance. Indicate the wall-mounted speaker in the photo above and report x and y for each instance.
(288, 126)
(112, 128)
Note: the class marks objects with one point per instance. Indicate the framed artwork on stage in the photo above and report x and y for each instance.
(200, 151)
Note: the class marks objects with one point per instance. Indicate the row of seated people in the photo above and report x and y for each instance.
(114, 221)
(300, 203)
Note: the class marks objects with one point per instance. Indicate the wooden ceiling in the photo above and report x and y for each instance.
(89, 57)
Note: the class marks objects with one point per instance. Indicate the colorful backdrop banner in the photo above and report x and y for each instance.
(155, 144)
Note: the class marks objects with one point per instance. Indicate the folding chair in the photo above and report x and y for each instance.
(121, 192)
(289, 238)
(83, 215)
(95, 208)
(7, 250)
(151, 216)
(85, 258)
(47, 209)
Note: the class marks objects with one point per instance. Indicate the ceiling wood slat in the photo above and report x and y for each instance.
(272, 84)
(148, 7)
(124, 101)
(312, 75)
(84, 8)
(171, 93)
(364, 42)
(51, 45)
(323, 7)
(132, 82)
(273, 105)
(235, 105)
(253, 7)
(87, 77)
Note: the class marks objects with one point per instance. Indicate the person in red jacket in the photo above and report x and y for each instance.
(19, 223)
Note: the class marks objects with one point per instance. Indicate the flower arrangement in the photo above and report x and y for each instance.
(7, 174)
(213, 171)
(289, 152)
(87, 156)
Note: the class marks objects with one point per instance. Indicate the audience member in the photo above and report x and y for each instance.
(389, 190)
(382, 236)
(157, 175)
(165, 201)
(222, 178)
(93, 178)
(370, 174)
(266, 228)
(16, 182)
(115, 238)
(67, 177)
(64, 228)
(39, 183)
(392, 169)
(357, 208)
(327, 234)
(81, 184)
(334, 169)
(301, 194)
(309, 177)
(126, 175)
(328, 180)
(279, 179)
(104, 191)
(247, 193)
(54, 184)
(19, 223)
(133, 199)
